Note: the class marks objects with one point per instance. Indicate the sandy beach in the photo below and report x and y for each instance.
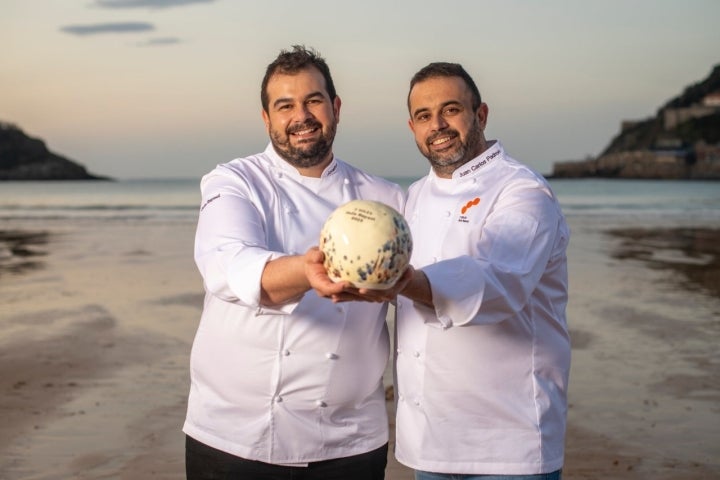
(97, 320)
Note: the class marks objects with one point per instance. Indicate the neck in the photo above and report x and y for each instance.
(315, 171)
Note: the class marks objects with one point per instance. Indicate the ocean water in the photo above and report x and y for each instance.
(177, 200)
(643, 201)
(173, 200)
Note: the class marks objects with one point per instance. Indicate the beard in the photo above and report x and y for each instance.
(308, 153)
(448, 162)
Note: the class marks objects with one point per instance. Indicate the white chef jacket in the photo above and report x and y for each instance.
(482, 379)
(301, 382)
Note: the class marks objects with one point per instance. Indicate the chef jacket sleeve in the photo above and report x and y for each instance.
(495, 280)
(230, 243)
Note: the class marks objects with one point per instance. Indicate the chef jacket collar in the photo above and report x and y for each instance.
(478, 164)
(282, 165)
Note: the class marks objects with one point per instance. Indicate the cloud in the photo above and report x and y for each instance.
(153, 42)
(117, 27)
(146, 3)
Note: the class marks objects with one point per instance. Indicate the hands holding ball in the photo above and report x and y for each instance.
(365, 249)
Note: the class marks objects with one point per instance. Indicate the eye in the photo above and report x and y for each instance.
(422, 117)
(451, 110)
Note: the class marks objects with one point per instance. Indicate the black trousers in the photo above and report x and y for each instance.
(206, 463)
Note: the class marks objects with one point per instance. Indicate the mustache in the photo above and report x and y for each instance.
(436, 135)
(304, 126)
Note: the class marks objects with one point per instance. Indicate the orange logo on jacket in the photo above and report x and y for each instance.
(470, 204)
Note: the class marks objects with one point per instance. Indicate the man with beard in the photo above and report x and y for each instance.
(284, 382)
(483, 351)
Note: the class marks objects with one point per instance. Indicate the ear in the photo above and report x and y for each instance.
(266, 120)
(482, 114)
(411, 125)
(336, 108)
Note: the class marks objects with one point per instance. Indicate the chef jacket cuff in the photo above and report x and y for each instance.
(244, 279)
(456, 291)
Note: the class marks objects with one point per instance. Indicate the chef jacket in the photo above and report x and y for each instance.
(482, 378)
(299, 382)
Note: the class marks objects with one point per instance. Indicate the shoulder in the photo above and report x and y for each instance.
(523, 188)
(518, 175)
(240, 167)
(417, 184)
(246, 172)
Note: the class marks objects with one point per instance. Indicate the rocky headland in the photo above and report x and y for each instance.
(26, 158)
(681, 141)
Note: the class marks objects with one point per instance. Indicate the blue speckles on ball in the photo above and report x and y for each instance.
(366, 243)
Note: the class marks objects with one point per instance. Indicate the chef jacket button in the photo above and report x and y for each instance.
(448, 213)
(331, 356)
(286, 352)
(320, 403)
(401, 397)
(417, 402)
(416, 354)
(278, 399)
(399, 351)
(434, 260)
(279, 175)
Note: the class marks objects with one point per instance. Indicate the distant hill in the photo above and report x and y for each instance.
(26, 158)
(682, 141)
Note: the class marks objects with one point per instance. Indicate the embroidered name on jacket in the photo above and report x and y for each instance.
(479, 164)
(463, 218)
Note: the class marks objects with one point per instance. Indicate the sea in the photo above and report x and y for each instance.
(672, 202)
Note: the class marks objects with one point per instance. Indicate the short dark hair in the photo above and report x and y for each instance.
(292, 62)
(446, 69)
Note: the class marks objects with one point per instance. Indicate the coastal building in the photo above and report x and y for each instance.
(709, 105)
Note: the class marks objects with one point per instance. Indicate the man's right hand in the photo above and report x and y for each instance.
(318, 278)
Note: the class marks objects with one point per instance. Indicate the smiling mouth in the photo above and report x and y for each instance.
(308, 132)
(305, 132)
(441, 141)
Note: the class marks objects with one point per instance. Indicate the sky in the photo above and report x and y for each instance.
(170, 88)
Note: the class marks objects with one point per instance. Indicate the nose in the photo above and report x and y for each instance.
(303, 113)
(438, 122)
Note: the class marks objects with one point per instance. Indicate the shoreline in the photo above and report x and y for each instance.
(97, 335)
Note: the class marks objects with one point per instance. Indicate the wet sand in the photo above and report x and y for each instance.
(97, 321)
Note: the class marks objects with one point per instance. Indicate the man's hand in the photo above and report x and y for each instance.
(413, 284)
(344, 291)
(318, 277)
(387, 295)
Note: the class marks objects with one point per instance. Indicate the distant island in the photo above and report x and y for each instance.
(682, 141)
(26, 158)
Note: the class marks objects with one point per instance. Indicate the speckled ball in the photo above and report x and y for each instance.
(366, 243)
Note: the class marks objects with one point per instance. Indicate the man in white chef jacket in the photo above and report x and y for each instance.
(284, 382)
(483, 352)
